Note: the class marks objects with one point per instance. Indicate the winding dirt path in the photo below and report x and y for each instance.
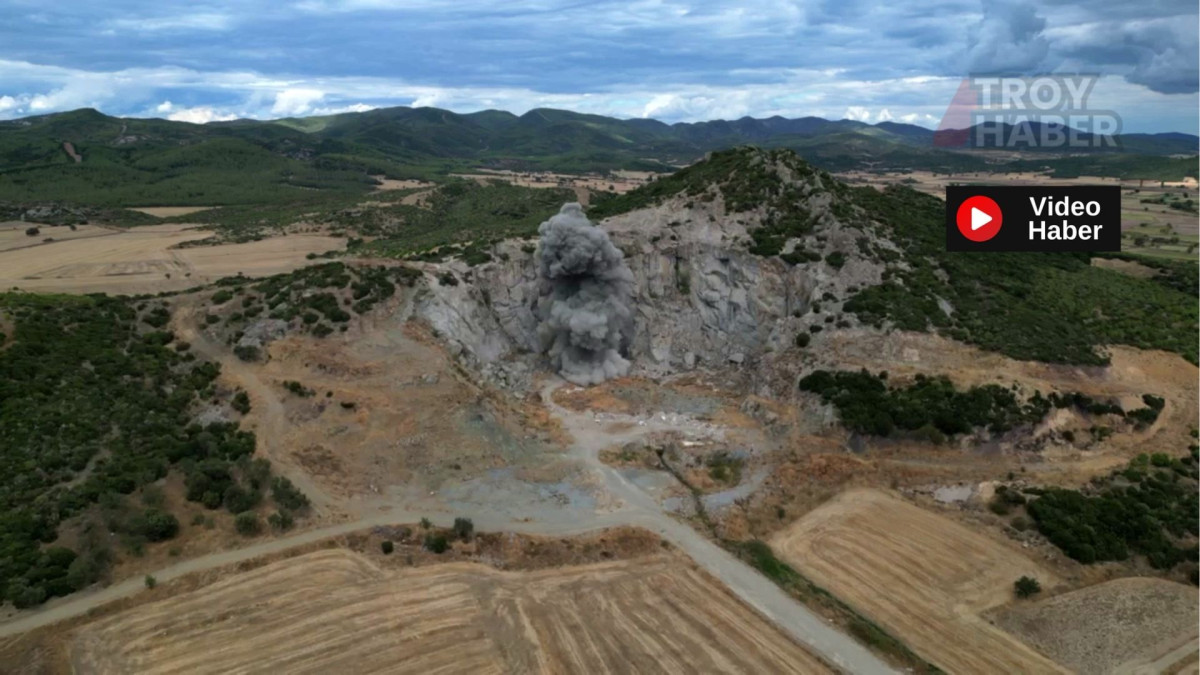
(266, 409)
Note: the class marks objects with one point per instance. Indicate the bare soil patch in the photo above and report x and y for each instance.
(1126, 267)
(584, 185)
(1111, 627)
(383, 184)
(922, 577)
(144, 259)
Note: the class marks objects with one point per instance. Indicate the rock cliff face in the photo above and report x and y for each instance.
(702, 299)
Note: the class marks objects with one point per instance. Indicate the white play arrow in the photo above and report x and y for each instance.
(979, 219)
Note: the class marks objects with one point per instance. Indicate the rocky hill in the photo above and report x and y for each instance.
(753, 257)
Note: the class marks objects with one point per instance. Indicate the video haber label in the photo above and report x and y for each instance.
(1027, 218)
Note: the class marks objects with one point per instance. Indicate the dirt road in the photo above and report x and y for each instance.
(267, 410)
(633, 507)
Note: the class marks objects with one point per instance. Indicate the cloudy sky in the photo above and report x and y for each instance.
(675, 60)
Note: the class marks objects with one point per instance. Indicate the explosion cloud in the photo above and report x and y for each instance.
(585, 307)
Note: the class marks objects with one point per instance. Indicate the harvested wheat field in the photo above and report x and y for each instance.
(335, 611)
(1124, 625)
(923, 577)
(142, 259)
(13, 236)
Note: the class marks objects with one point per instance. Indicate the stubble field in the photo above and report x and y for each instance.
(139, 260)
(922, 577)
(336, 611)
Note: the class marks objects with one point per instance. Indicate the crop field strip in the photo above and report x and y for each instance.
(324, 611)
(921, 576)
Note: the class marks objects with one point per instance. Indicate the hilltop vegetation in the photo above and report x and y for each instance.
(149, 162)
(1048, 307)
(317, 300)
(98, 402)
(466, 218)
(1052, 307)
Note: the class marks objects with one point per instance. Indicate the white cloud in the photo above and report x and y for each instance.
(857, 113)
(294, 102)
(337, 110)
(200, 115)
(919, 118)
(34, 88)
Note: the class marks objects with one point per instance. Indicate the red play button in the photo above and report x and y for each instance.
(979, 218)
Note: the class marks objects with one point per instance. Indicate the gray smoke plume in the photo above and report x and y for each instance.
(585, 306)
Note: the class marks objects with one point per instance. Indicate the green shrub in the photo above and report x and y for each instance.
(287, 495)
(1026, 587)
(281, 521)
(436, 542)
(464, 528)
(867, 405)
(247, 524)
(155, 525)
(387, 547)
(241, 402)
(1113, 521)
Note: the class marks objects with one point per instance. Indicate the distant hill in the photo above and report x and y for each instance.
(129, 161)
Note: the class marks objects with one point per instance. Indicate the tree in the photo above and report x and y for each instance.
(241, 402)
(32, 231)
(247, 524)
(237, 499)
(281, 521)
(151, 582)
(246, 352)
(436, 543)
(464, 528)
(287, 495)
(387, 547)
(1026, 587)
(156, 525)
